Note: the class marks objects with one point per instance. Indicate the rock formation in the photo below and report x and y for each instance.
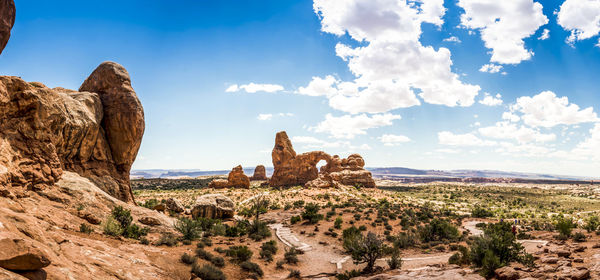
(260, 173)
(213, 206)
(95, 132)
(291, 169)
(236, 179)
(7, 20)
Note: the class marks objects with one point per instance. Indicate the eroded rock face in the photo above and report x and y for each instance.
(7, 20)
(21, 254)
(260, 173)
(293, 170)
(95, 132)
(214, 206)
(236, 179)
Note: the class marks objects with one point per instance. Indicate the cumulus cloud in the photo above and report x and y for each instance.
(503, 26)
(393, 140)
(490, 68)
(590, 147)
(452, 39)
(489, 100)
(309, 142)
(581, 18)
(348, 126)
(510, 116)
(548, 110)
(545, 34)
(391, 66)
(253, 88)
(522, 134)
(264, 117)
(467, 139)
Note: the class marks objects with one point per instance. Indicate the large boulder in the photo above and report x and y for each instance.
(95, 132)
(291, 169)
(260, 173)
(213, 206)
(235, 179)
(7, 20)
(174, 205)
(21, 254)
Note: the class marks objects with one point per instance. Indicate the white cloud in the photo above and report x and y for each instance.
(548, 110)
(309, 142)
(264, 117)
(468, 139)
(489, 100)
(349, 126)
(447, 151)
(393, 140)
(503, 26)
(490, 68)
(452, 39)
(522, 134)
(590, 147)
(253, 88)
(581, 18)
(510, 116)
(391, 66)
(545, 34)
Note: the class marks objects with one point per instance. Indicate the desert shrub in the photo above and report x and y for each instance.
(395, 261)
(499, 246)
(291, 255)
(208, 272)
(252, 268)
(112, 227)
(480, 212)
(206, 241)
(338, 222)
(238, 229)
(462, 257)
(294, 274)
(295, 219)
(298, 203)
(217, 261)
(438, 230)
(267, 250)
(168, 239)
(206, 224)
(203, 254)
(134, 231)
(489, 264)
(364, 248)
(85, 228)
(218, 229)
(347, 275)
(150, 203)
(259, 230)
(239, 254)
(311, 213)
(592, 223)
(579, 237)
(362, 228)
(404, 240)
(187, 258)
(279, 264)
(122, 215)
(564, 226)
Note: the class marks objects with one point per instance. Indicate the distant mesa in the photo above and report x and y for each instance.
(291, 169)
(95, 132)
(260, 174)
(7, 21)
(236, 179)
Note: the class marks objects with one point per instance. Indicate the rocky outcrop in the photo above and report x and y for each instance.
(291, 169)
(21, 254)
(260, 173)
(95, 132)
(213, 206)
(7, 20)
(174, 205)
(235, 179)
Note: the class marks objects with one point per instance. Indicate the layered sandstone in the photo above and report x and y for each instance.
(213, 206)
(95, 132)
(260, 173)
(7, 20)
(291, 169)
(235, 179)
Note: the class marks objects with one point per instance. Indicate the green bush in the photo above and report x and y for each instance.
(462, 257)
(294, 274)
(295, 219)
(395, 261)
(267, 250)
(259, 231)
(338, 222)
(239, 254)
(122, 215)
(187, 258)
(252, 268)
(150, 203)
(592, 223)
(168, 239)
(311, 213)
(347, 275)
(133, 231)
(364, 249)
(480, 212)
(489, 264)
(112, 227)
(190, 229)
(217, 261)
(498, 241)
(84, 228)
(579, 237)
(203, 254)
(291, 255)
(564, 226)
(438, 230)
(405, 240)
(208, 272)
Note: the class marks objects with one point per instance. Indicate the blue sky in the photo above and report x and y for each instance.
(476, 84)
